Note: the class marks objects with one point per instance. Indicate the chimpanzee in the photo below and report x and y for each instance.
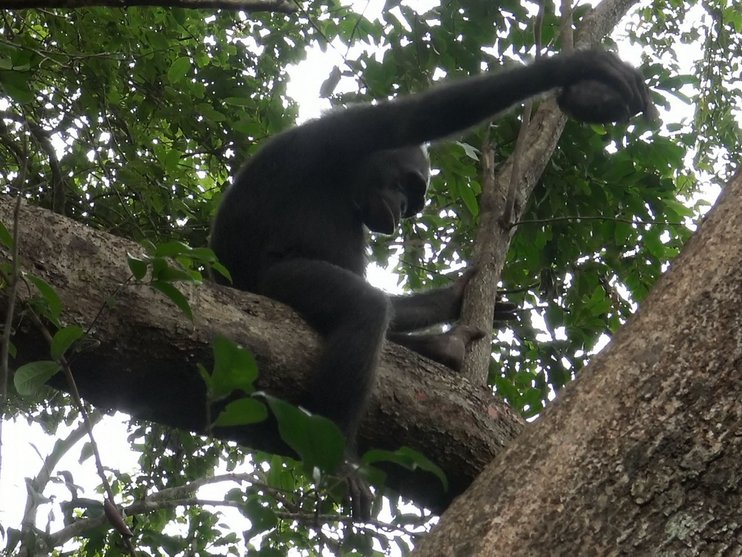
(293, 224)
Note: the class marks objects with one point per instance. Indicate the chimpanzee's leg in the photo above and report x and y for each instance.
(353, 318)
(423, 309)
(446, 348)
(441, 305)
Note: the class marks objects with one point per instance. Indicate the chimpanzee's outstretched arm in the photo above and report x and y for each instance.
(458, 105)
(440, 305)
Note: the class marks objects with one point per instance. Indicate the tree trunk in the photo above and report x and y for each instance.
(146, 351)
(642, 454)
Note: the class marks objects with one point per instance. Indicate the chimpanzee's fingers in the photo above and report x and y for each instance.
(607, 68)
(613, 72)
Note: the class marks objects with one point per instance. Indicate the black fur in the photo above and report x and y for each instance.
(293, 224)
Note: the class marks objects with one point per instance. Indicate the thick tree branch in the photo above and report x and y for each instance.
(281, 6)
(641, 454)
(493, 237)
(145, 360)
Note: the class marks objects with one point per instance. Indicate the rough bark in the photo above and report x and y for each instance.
(493, 239)
(642, 454)
(145, 360)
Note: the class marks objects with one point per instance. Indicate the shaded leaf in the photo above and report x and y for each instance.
(175, 295)
(317, 440)
(244, 411)
(64, 338)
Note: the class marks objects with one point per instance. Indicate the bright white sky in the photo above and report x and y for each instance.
(24, 445)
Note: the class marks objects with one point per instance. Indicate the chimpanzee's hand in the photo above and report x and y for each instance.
(598, 87)
(504, 311)
(459, 286)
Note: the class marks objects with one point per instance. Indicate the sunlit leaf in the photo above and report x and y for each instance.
(29, 378)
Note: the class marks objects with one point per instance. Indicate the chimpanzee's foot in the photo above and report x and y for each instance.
(447, 348)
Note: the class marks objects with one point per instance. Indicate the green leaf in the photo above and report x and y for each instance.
(15, 83)
(210, 112)
(654, 245)
(172, 249)
(469, 150)
(53, 302)
(244, 411)
(5, 238)
(317, 440)
(168, 273)
(262, 518)
(178, 69)
(205, 255)
(86, 452)
(172, 159)
(29, 378)
(469, 199)
(281, 476)
(64, 338)
(175, 295)
(407, 458)
(239, 101)
(235, 369)
(138, 267)
(222, 270)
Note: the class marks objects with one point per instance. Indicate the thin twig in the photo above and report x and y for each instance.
(578, 218)
(12, 293)
(86, 420)
(515, 170)
(280, 6)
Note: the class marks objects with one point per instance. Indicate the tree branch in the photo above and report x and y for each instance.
(280, 6)
(146, 351)
(512, 188)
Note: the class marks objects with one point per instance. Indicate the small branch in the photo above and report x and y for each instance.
(478, 307)
(601, 21)
(280, 6)
(12, 292)
(578, 218)
(61, 447)
(88, 425)
(515, 174)
(44, 141)
(191, 487)
(79, 527)
(565, 26)
(8, 325)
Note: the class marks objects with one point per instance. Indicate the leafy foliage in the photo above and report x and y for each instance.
(133, 120)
